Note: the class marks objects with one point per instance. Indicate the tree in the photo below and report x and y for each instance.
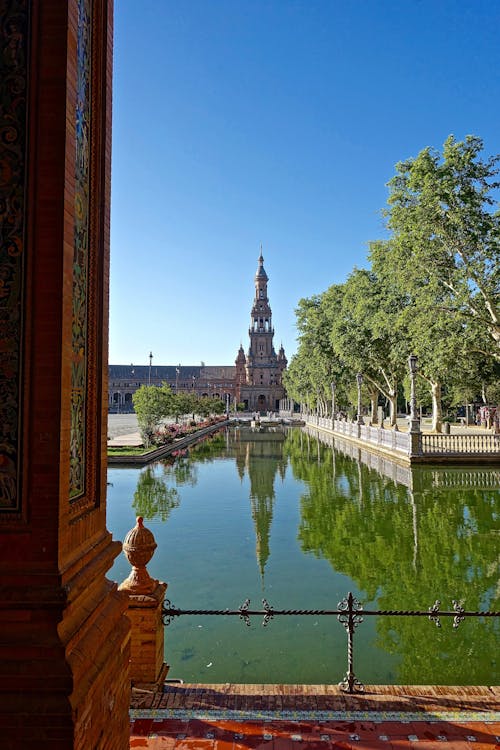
(151, 406)
(423, 326)
(446, 228)
(364, 335)
(311, 370)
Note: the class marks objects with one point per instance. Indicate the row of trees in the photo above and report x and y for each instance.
(432, 289)
(155, 404)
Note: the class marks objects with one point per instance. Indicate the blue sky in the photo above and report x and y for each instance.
(240, 122)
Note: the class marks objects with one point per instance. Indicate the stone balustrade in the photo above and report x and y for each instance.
(413, 445)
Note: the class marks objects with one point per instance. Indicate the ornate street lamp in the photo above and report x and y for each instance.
(333, 385)
(150, 362)
(414, 420)
(359, 380)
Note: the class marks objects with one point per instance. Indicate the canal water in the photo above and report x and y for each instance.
(278, 514)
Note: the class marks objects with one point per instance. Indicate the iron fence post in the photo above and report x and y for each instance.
(350, 619)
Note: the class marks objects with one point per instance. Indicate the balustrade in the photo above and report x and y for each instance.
(401, 442)
(461, 443)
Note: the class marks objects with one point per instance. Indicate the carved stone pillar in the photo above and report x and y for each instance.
(64, 637)
(145, 601)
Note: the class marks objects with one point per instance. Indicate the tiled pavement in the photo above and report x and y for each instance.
(314, 717)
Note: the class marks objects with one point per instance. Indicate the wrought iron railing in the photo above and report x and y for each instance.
(349, 612)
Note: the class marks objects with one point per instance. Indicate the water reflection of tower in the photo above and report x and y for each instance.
(264, 461)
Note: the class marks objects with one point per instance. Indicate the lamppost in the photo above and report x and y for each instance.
(414, 420)
(359, 380)
(177, 371)
(333, 385)
(150, 362)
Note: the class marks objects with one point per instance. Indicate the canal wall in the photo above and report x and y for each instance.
(167, 450)
(414, 447)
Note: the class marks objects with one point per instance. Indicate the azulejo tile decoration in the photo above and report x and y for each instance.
(14, 23)
(81, 250)
(317, 716)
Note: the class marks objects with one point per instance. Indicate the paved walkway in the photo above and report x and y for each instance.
(314, 717)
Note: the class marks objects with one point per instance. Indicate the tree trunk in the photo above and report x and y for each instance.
(393, 406)
(373, 406)
(437, 415)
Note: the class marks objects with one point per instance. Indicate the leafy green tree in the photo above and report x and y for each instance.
(446, 229)
(151, 404)
(181, 405)
(365, 335)
(218, 406)
(315, 365)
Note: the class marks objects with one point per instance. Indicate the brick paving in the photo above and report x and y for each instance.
(314, 717)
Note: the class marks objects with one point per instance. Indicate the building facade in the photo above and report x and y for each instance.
(255, 379)
(216, 381)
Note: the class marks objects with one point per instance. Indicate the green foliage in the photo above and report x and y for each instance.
(404, 549)
(433, 289)
(446, 234)
(152, 497)
(151, 405)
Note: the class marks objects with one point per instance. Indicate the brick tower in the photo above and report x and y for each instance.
(261, 387)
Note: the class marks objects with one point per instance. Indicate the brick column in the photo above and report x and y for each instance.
(64, 637)
(145, 601)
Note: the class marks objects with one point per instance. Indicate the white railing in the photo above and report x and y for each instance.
(451, 477)
(394, 441)
(461, 443)
(482, 444)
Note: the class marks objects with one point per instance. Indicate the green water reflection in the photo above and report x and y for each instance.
(280, 514)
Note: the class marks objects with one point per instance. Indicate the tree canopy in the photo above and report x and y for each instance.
(432, 289)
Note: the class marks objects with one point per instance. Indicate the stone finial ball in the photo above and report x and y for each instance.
(139, 545)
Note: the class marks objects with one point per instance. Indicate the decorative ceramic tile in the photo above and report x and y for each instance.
(229, 714)
(81, 251)
(14, 36)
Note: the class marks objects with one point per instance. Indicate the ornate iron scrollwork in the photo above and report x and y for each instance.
(433, 613)
(457, 606)
(243, 610)
(169, 612)
(350, 608)
(269, 612)
(351, 684)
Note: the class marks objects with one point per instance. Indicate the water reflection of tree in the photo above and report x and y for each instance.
(368, 527)
(152, 497)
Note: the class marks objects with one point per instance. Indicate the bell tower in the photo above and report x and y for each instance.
(263, 368)
(261, 330)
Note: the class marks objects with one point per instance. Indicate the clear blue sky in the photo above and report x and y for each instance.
(240, 122)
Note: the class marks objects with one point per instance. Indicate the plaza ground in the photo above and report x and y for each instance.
(123, 429)
(314, 717)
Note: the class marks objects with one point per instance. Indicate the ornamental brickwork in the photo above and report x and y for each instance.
(64, 635)
(259, 372)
